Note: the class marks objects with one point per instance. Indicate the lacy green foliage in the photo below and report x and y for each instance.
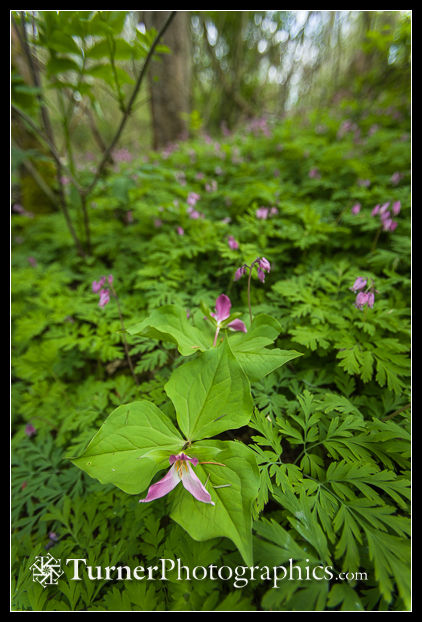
(330, 428)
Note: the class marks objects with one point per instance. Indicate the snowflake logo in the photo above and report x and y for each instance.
(46, 570)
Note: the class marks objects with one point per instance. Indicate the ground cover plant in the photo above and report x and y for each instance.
(222, 377)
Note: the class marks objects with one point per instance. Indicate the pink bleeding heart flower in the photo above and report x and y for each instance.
(356, 208)
(180, 471)
(233, 243)
(239, 273)
(263, 266)
(262, 213)
(361, 300)
(193, 197)
(30, 430)
(180, 231)
(360, 283)
(314, 173)
(104, 297)
(396, 207)
(97, 285)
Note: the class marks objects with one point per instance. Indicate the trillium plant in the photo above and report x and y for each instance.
(211, 394)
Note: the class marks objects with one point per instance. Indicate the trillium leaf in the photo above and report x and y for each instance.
(169, 323)
(134, 442)
(250, 349)
(211, 394)
(231, 516)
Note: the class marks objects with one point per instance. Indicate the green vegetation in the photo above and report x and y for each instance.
(324, 195)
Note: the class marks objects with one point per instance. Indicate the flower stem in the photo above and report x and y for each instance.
(125, 345)
(374, 243)
(249, 293)
(215, 336)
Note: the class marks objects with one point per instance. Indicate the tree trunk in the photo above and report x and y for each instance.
(170, 79)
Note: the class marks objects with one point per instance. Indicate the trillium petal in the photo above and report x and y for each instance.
(237, 325)
(164, 486)
(193, 484)
(222, 307)
(182, 456)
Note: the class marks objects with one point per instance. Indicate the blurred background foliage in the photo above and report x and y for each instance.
(223, 68)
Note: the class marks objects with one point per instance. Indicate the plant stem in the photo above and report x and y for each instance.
(125, 345)
(215, 336)
(128, 109)
(249, 293)
(374, 243)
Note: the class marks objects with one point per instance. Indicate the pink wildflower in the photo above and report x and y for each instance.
(233, 243)
(396, 207)
(30, 430)
(395, 178)
(193, 197)
(239, 273)
(359, 284)
(361, 300)
(104, 297)
(262, 213)
(356, 208)
(97, 285)
(180, 471)
(314, 173)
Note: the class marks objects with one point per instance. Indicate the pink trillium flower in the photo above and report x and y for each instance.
(180, 471)
(222, 308)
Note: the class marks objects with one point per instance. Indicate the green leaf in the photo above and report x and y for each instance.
(169, 323)
(57, 65)
(133, 443)
(231, 516)
(62, 42)
(256, 360)
(211, 394)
